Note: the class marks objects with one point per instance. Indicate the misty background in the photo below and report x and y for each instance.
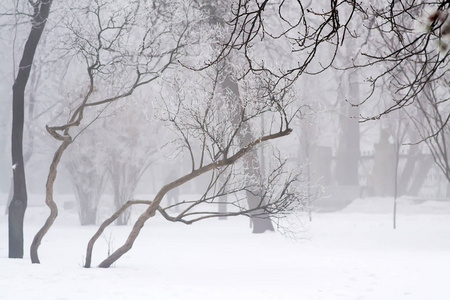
(125, 149)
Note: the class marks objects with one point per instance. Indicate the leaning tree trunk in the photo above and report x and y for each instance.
(154, 205)
(49, 201)
(18, 203)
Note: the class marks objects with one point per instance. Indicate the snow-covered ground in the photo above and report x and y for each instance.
(350, 254)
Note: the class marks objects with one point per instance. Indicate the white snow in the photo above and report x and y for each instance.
(350, 254)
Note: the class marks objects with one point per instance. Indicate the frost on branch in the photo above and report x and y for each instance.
(115, 47)
(218, 130)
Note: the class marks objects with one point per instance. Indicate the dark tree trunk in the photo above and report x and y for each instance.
(18, 203)
(259, 221)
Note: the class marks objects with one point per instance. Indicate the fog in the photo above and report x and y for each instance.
(327, 127)
(345, 158)
(343, 154)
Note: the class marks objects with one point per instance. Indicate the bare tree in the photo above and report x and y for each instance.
(405, 34)
(416, 81)
(87, 174)
(430, 117)
(18, 203)
(398, 123)
(131, 147)
(395, 35)
(230, 92)
(313, 31)
(137, 40)
(217, 12)
(430, 111)
(214, 146)
(140, 41)
(303, 28)
(117, 148)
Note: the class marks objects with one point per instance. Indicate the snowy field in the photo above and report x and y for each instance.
(350, 254)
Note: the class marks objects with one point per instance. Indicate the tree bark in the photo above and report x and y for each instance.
(49, 201)
(18, 203)
(105, 224)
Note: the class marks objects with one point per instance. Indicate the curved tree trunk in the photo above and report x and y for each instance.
(151, 210)
(49, 201)
(105, 224)
(154, 205)
(18, 203)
